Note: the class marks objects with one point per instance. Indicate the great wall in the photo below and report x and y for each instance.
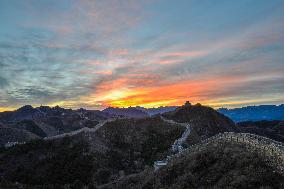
(272, 151)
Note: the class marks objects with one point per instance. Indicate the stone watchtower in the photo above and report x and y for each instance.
(187, 103)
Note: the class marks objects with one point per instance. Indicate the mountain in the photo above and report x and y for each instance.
(204, 121)
(159, 110)
(271, 129)
(30, 126)
(120, 152)
(25, 112)
(46, 121)
(121, 147)
(8, 136)
(139, 112)
(126, 112)
(255, 113)
(228, 166)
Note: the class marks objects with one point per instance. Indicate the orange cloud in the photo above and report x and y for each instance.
(91, 62)
(185, 54)
(120, 92)
(120, 52)
(168, 61)
(178, 56)
(104, 72)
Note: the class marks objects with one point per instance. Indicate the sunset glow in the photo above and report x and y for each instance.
(95, 54)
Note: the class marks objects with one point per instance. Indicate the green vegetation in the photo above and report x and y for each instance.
(40, 162)
(204, 121)
(229, 166)
(30, 126)
(91, 123)
(79, 161)
(271, 129)
(141, 140)
(121, 153)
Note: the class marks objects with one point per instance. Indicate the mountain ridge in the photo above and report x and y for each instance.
(255, 113)
(204, 121)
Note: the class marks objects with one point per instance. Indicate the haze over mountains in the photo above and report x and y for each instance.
(248, 113)
(255, 113)
(138, 111)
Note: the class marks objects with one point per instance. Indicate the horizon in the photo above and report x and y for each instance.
(216, 108)
(122, 53)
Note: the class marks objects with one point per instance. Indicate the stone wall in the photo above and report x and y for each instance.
(272, 151)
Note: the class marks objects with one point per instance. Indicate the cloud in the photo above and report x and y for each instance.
(89, 18)
(175, 61)
(30, 93)
(203, 91)
(104, 72)
(3, 82)
(185, 54)
(100, 53)
(120, 52)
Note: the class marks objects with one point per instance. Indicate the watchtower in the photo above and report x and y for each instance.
(187, 103)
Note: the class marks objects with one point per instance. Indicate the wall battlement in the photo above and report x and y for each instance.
(272, 151)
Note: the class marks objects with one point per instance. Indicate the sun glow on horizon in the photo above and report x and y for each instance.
(120, 54)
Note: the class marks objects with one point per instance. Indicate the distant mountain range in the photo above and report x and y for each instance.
(28, 123)
(249, 113)
(126, 112)
(255, 113)
(139, 112)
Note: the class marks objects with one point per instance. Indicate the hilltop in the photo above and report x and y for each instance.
(204, 121)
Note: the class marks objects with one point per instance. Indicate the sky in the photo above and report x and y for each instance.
(120, 53)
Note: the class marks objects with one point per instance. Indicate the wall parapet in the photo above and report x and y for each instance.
(272, 151)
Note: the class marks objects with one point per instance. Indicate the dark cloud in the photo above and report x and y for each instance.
(3, 82)
(32, 93)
